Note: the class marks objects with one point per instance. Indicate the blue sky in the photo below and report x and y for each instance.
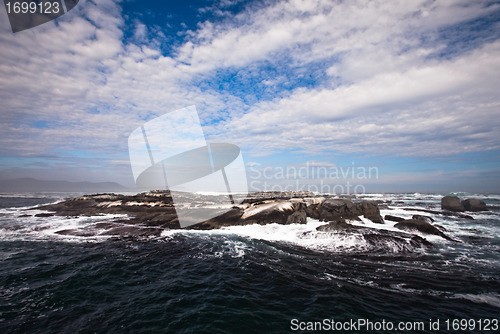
(407, 87)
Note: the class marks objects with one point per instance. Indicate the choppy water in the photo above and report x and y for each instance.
(250, 279)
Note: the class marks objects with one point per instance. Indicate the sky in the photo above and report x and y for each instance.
(347, 96)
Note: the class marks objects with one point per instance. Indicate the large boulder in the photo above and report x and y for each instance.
(334, 209)
(421, 226)
(474, 204)
(452, 203)
(370, 210)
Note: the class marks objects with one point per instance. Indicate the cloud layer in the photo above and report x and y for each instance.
(386, 78)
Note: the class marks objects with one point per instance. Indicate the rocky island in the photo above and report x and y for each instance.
(150, 213)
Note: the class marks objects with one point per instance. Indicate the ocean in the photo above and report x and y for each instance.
(248, 279)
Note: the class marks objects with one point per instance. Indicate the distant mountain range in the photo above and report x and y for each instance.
(34, 185)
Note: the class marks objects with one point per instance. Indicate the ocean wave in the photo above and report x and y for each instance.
(306, 236)
(31, 228)
(490, 298)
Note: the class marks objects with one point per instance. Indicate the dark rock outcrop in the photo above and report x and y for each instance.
(332, 209)
(452, 203)
(338, 225)
(474, 204)
(393, 218)
(298, 217)
(377, 240)
(44, 215)
(312, 206)
(151, 209)
(421, 226)
(279, 212)
(370, 210)
(265, 212)
(231, 217)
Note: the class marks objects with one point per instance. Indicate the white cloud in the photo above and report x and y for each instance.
(318, 29)
(388, 95)
(384, 89)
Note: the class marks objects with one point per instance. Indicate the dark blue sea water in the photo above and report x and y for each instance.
(251, 279)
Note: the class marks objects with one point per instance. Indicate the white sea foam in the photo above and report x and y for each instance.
(47, 228)
(490, 298)
(304, 235)
(233, 248)
(455, 227)
(484, 215)
(389, 226)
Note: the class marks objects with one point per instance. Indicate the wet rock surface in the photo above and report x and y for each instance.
(421, 226)
(474, 204)
(453, 203)
(393, 218)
